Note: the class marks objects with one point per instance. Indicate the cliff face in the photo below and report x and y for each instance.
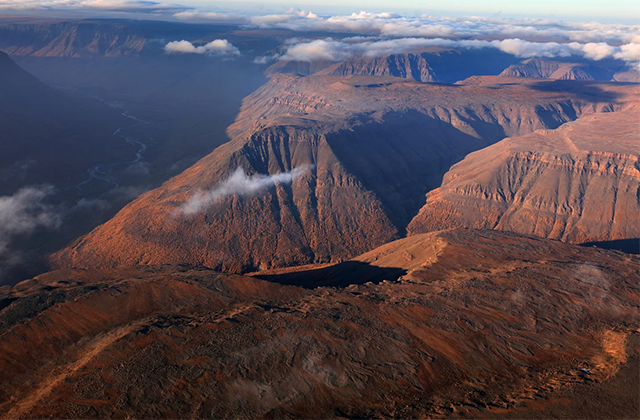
(476, 321)
(430, 65)
(557, 70)
(71, 39)
(578, 183)
(377, 145)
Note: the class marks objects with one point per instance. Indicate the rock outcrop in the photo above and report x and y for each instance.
(435, 64)
(71, 39)
(557, 70)
(377, 145)
(578, 183)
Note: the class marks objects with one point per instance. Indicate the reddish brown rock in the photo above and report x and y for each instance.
(578, 183)
(377, 145)
(468, 324)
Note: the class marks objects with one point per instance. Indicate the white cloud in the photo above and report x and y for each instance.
(318, 50)
(393, 25)
(264, 59)
(213, 16)
(239, 184)
(597, 51)
(629, 52)
(216, 47)
(24, 212)
(333, 50)
(274, 20)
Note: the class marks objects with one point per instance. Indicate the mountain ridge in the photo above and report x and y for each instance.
(349, 202)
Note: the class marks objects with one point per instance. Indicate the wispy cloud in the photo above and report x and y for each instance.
(216, 47)
(24, 212)
(240, 184)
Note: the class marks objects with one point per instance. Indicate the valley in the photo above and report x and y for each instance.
(364, 136)
(291, 215)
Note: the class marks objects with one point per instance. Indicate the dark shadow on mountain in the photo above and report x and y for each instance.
(590, 90)
(630, 246)
(406, 155)
(339, 275)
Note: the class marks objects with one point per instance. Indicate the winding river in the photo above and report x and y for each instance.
(98, 171)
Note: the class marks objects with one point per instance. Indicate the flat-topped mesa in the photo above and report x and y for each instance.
(432, 64)
(581, 69)
(560, 70)
(377, 145)
(71, 39)
(578, 183)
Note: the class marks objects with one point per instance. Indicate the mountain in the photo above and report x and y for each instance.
(377, 145)
(578, 183)
(71, 39)
(551, 69)
(428, 65)
(117, 38)
(467, 324)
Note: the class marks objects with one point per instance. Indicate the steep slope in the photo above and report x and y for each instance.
(71, 39)
(377, 145)
(578, 183)
(609, 70)
(552, 69)
(481, 323)
(434, 64)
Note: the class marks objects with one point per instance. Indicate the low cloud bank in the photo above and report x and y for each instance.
(391, 25)
(216, 47)
(393, 33)
(239, 184)
(334, 50)
(24, 212)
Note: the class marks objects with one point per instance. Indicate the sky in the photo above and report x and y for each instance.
(621, 11)
(603, 11)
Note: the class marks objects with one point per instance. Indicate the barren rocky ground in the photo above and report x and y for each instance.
(460, 323)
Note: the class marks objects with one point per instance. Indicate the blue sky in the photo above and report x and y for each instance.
(624, 11)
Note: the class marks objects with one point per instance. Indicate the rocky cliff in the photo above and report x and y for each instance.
(609, 70)
(578, 183)
(375, 145)
(434, 64)
(71, 39)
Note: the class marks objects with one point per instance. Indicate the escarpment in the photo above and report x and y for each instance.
(578, 183)
(434, 64)
(372, 147)
(553, 69)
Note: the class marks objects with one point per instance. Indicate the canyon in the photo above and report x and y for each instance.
(578, 183)
(377, 146)
(429, 233)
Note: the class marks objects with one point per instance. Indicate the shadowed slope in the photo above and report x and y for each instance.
(377, 145)
(578, 183)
